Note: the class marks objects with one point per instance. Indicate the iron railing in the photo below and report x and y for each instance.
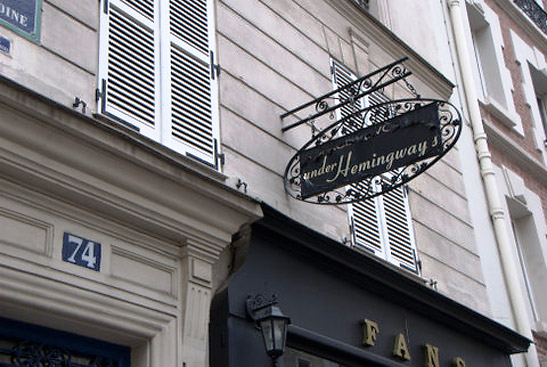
(534, 12)
(362, 3)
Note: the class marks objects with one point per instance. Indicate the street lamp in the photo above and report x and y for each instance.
(271, 321)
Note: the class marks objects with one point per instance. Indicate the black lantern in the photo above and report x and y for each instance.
(271, 321)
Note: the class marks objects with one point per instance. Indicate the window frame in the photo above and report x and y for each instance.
(200, 138)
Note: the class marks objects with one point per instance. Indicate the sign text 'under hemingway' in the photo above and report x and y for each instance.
(403, 140)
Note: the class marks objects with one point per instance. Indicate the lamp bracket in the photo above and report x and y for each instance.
(257, 305)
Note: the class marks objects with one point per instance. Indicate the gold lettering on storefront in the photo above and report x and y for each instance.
(400, 349)
(370, 332)
(431, 356)
(371, 329)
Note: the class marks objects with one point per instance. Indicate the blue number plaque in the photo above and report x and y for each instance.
(81, 251)
(5, 45)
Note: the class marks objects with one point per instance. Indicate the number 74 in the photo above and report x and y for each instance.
(88, 253)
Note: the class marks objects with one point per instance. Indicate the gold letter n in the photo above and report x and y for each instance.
(431, 356)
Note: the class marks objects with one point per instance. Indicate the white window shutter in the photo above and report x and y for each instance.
(367, 226)
(193, 122)
(400, 246)
(173, 102)
(342, 76)
(129, 64)
(381, 225)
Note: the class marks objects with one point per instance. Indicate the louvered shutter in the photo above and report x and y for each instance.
(193, 125)
(366, 226)
(397, 224)
(172, 102)
(364, 218)
(381, 225)
(129, 64)
(341, 77)
(394, 211)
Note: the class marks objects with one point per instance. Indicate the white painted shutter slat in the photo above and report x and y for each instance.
(145, 7)
(193, 123)
(131, 73)
(366, 227)
(191, 102)
(342, 76)
(189, 23)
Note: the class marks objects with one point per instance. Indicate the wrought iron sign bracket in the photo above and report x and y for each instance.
(368, 149)
(357, 89)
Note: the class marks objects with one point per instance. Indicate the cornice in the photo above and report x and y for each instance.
(394, 46)
(112, 171)
(525, 22)
(515, 153)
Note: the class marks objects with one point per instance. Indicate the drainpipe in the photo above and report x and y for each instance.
(495, 207)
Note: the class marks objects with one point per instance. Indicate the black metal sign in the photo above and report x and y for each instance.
(384, 147)
(373, 150)
(374, 144)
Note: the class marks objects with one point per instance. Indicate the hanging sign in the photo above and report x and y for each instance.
(22, 16)
(405, 139)
(378, 149)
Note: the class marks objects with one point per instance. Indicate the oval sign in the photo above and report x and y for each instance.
(372, 152)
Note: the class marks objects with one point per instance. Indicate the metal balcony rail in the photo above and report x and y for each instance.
(534, 12)
(362, 3)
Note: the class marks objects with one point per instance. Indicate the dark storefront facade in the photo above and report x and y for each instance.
(346, 309)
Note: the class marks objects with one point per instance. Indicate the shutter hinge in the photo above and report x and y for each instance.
(100, 95)
(220, 158)
(105, 7)
(100, 92)
(215, 68)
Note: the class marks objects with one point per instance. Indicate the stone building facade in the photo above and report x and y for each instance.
(140, 136)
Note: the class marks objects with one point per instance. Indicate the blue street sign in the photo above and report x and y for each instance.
(22, 16)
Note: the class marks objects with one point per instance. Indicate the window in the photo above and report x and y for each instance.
(526, 222)
(492, 78)
(382, 225)
(156, 72)
(539, 81)
(541, 108)
(534, 84)
(487, 51)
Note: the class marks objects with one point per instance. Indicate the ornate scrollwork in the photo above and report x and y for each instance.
(39, 355)
(449, 125)
(349, 95)
(32, 354)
